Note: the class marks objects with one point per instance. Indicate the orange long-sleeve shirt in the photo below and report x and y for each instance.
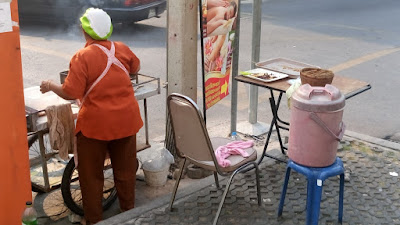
(110, 111)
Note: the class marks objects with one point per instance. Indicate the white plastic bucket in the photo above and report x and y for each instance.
(156, 178)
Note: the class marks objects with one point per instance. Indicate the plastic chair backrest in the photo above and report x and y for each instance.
(190, 132)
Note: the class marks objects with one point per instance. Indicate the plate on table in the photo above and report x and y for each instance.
(264, 75)
(286, 66)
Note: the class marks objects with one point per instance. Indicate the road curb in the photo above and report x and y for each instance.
(200, 184)
(373, 140)
(129, 215)
(197, 185)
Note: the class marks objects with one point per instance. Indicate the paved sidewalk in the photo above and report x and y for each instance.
(372, 194)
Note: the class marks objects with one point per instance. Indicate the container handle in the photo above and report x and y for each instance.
(321, 123)
(328, 89)
(320, 90)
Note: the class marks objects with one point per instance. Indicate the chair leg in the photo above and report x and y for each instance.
(313, 211)
(283, 194)
(310, 192)
(216, 180)
(341, 193)
(228, 184)
(258, 183)
(177, 184)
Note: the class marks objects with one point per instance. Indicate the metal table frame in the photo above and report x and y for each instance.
(143, 90)
(349, 87)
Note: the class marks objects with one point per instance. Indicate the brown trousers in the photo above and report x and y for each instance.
(91, 156)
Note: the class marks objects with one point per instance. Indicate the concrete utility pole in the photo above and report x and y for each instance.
(181, 54)
(182, 23)
(252, 126)
(255, 57)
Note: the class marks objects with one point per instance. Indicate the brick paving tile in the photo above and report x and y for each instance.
(371, 195)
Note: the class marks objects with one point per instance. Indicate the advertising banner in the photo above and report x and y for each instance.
(218, 32)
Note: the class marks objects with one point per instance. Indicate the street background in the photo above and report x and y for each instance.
(358, 39)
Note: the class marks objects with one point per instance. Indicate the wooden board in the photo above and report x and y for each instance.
(141, 146)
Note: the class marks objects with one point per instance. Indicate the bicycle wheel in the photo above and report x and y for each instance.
(33, 145)
(71, 192)
(37, 179)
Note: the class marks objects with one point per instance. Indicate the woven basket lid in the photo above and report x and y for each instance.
(316, 73)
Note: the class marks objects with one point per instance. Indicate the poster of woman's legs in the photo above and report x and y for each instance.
(219, 22)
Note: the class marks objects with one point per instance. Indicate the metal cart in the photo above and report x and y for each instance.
(48, 171)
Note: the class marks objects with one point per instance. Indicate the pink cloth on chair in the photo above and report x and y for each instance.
(232, 148)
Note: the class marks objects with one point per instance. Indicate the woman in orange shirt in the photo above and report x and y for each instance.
(109, 117)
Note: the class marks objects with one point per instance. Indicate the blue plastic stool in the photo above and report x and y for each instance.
(315, 178)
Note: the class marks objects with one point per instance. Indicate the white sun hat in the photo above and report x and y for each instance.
(97, 24)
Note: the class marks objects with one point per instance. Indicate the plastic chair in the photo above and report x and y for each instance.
(193, 144)
(315, 178)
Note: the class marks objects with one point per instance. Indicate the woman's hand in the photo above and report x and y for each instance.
(49, 85)
(45, 86)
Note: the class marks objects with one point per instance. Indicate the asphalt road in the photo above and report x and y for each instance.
(357, 38)
(354, 38)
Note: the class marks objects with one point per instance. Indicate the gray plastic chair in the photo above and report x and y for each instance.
(193, 144)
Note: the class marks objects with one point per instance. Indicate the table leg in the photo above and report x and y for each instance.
(146, 123)
(44, 161)
(278, 103)
(146, 129)
(274, 109)
(271, 126)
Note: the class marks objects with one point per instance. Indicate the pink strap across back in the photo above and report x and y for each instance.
(232, 148)
(111, 60)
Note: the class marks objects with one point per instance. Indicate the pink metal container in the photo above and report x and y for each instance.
(315, 125)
